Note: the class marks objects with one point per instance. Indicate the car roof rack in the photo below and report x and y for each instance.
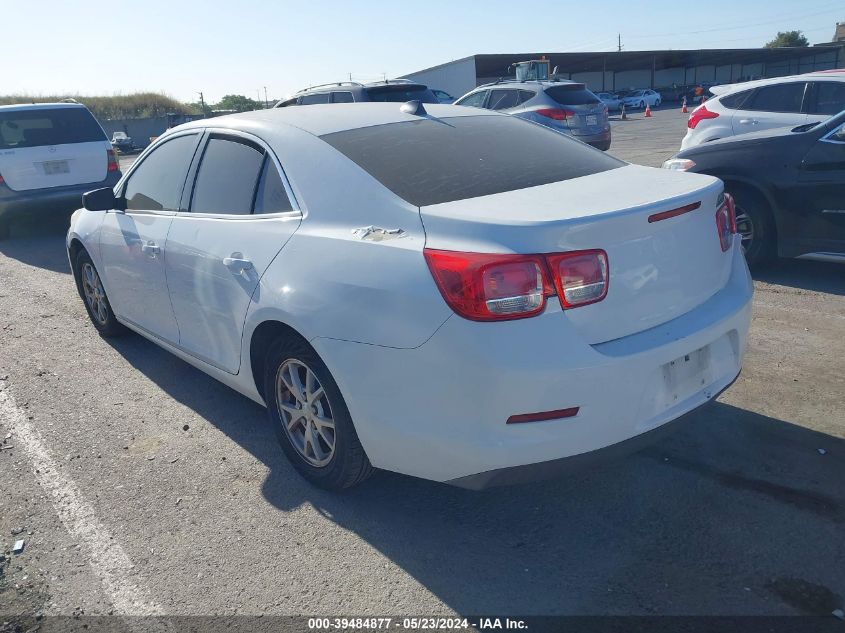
(333, 83)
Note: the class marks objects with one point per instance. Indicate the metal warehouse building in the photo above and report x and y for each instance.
(625, 70)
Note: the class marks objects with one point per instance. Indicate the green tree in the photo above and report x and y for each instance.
(238, 103)
(788, 38)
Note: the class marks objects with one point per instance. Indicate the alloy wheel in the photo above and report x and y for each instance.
(306, 412)
(745, 227)
(95, 295)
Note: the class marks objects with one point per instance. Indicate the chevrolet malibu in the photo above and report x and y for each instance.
(445, 292)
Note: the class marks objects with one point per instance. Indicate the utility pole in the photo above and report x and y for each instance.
(266, 103)
(202, 103)
(619, 45)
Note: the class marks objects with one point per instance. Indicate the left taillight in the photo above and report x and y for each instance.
(495, 287)
(112, 158)
(558, 114)
(726, 221)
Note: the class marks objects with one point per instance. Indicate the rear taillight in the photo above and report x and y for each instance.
(558, 114)
(699, 114)
(113, 164)
(1, 179)
(580, 277)
(726, 222)
(491, 287)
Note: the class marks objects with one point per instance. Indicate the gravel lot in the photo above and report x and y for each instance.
(154, 489)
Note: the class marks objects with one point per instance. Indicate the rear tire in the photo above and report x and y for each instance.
(310, 417)
(755, 223)
(94, 297)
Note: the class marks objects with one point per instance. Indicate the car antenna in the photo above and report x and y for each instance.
(413, 107)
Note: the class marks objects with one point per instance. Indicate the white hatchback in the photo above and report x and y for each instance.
(50, 154)
(768, 103)
(456, 294)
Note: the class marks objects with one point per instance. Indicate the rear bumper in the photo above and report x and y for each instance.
(439, 411)
(15, 204)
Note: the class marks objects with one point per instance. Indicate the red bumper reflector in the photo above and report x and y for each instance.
(665, 215)
(545, 415)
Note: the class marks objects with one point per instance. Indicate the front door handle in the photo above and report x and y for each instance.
(749, 121)
(151, 248)
(237, 264)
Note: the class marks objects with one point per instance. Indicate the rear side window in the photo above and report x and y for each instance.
(779, 98)
(271, 196)
(572, 94)
(400, 93)
(503, 99)
(320, 97)
(43, 126)
(433, 161)
(829, 97)
(342, 97)
(736, 100)
(156, 184)
(526, 95)
(227, 177)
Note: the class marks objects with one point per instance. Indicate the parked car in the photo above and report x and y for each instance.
(371, 272)
(394, 90)
(789, 187)
(123, 143)
(611, 101)
(641, 99)
(564, 106)
(766, 104)
(50, 154)
(443, 96)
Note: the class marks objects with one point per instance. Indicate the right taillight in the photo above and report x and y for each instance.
(494, 287)
(699, 114)
(558, 114)
(726, 222)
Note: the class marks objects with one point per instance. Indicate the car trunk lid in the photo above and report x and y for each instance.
(659, 269)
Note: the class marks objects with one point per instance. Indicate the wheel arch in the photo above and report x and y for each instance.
(260, 340)
(734, 181)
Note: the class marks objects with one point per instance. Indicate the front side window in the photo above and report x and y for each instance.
(778, 98)
(830, 97)
(156, 184)
(475, 100)
(838, 135)
(320, 97)
(503, 99)
(227, 177)
(426, 162)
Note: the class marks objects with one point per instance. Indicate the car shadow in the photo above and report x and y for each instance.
(39, 242)
(737, 513)
(804, 274)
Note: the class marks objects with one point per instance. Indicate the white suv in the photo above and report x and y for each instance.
(767, 103)
(50, 154)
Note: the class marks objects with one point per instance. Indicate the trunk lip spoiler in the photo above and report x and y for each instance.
(673, 213)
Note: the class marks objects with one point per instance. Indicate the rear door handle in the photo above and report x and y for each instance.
(749, 121)
(237, 264)
(151, 248)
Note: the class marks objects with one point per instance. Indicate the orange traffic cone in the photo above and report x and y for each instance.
(624, 116)
(647, 110)
(684, 106)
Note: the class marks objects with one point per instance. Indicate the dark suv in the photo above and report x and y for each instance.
(396, 90)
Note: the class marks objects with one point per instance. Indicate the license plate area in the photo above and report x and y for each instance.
(592, 120)
(686, 375)
(55, 167)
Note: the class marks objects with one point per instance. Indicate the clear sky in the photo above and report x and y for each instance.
(222, 47)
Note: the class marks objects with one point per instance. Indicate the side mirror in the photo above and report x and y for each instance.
(102, 200)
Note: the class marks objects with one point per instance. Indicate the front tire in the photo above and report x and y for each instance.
(310, 417)
(642, 105)
(754, 222)
(90, 288)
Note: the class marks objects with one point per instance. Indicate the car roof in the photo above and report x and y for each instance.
(39, 106)
(348, 86)
(836, 75)
(328, 118)
(512, 83)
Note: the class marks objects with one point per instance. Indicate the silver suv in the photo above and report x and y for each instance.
(396, 90)
(565, 106)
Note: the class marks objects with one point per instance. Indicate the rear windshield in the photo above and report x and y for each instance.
(440, 160)
(400, 93)
(572, 94)
(59, 126)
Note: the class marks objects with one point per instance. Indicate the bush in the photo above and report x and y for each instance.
(134, 106)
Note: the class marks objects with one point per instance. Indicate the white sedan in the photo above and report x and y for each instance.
(457, 294)
(642, 98)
